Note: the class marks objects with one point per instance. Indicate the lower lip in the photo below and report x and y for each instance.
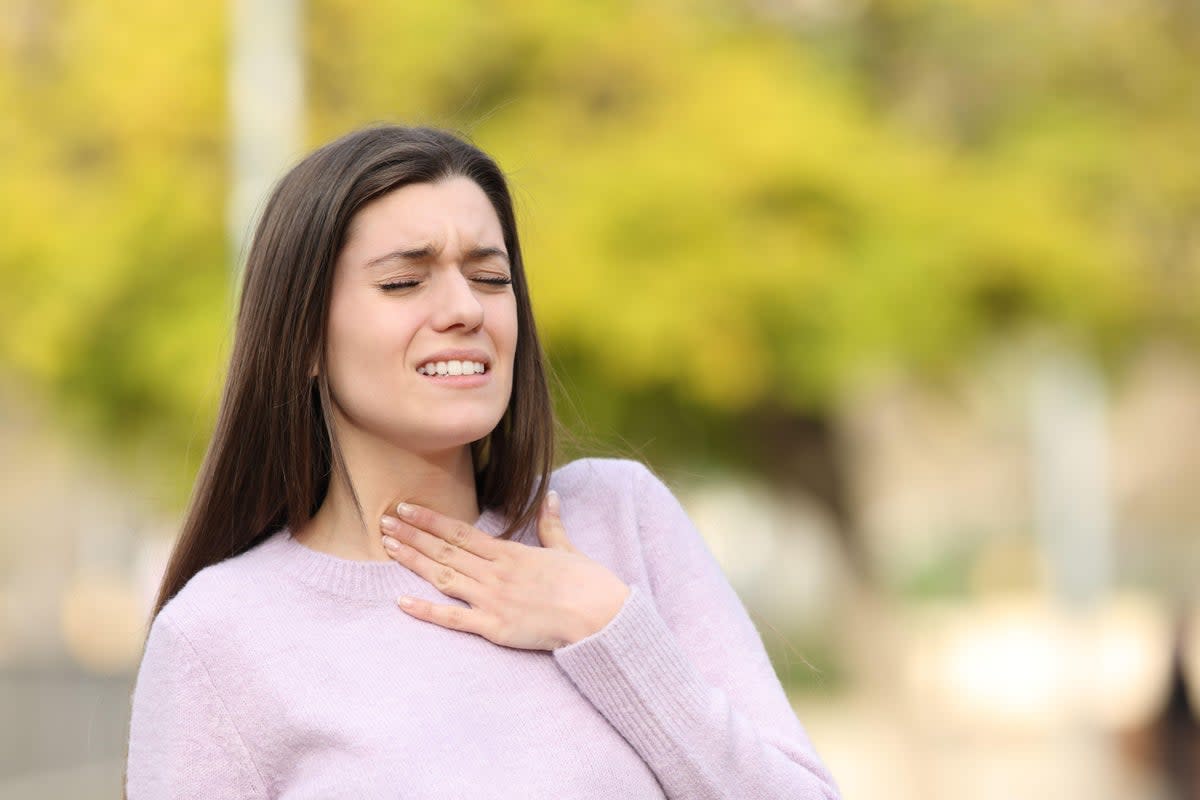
(459, 381)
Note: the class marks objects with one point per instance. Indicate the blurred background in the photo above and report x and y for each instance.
(901, 296)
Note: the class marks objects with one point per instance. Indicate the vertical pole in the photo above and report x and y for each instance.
(1072, 504)
(266, 97)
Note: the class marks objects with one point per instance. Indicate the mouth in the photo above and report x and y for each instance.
(454, 368)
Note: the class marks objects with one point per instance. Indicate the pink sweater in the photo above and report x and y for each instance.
(288, 673)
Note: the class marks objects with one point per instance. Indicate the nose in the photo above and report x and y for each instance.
(455, 303)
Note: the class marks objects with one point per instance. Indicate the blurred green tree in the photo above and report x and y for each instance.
(732, 211)
(113, 152)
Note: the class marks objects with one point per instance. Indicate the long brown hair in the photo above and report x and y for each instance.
(274, 450)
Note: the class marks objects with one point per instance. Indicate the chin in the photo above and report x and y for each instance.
(437, 440)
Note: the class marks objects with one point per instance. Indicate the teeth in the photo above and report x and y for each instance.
(451, 368)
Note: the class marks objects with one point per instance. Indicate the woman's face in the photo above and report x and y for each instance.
(442, 245)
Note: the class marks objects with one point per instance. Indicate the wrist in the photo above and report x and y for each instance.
(597, 619)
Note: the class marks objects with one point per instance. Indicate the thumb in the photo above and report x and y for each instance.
(551, 530)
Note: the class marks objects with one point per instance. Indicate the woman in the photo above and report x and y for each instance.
(386, 359)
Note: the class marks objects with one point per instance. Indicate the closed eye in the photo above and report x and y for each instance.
(411, 284)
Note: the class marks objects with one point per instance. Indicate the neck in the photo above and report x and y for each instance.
(384, 475)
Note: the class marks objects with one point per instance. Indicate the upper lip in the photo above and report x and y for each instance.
(457, 355)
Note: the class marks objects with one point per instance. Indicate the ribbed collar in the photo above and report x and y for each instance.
(357, 580)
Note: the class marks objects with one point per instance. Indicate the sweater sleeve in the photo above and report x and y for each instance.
(182, 741)
(681, 672)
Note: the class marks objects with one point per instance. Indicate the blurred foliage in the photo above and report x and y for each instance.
(731, 211)
(113, 152)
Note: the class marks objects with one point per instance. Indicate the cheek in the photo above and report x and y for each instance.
(365, 335)
(504, 328)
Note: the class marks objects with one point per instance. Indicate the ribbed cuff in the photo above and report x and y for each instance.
(634, 671)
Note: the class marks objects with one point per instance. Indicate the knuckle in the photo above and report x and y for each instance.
(443, 577)
(445, 553)
(459, 534)
(454, 616)
(502, 571)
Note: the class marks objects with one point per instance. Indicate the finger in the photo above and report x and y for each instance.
(446, 579)
(551, 530)
(435, 550)
(454, 531)
(457, 618)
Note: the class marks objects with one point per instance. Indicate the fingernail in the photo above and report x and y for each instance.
(404, 509)
(406, 601)
(552, 500)
(390, 543)
(389, 523)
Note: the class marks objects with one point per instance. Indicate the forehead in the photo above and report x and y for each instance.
(455, 209)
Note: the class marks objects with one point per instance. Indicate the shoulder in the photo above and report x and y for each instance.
(215, 601)
(609, 480)
(600, 474)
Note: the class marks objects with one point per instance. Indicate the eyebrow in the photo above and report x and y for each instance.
(426, 251)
